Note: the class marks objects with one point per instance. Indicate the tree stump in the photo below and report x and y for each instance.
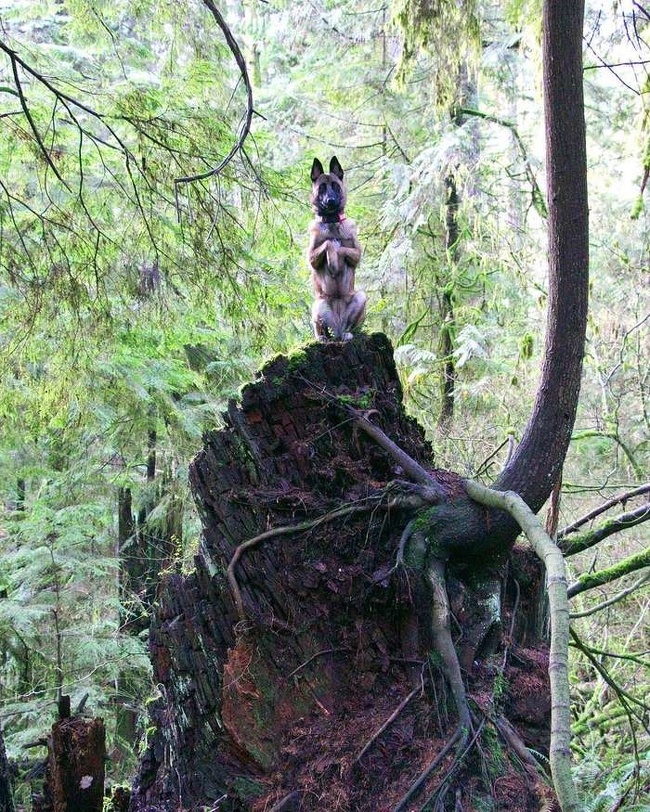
(74, 778)
(6, 793)
(312, 688)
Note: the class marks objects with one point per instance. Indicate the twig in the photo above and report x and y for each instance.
(619, 597)
(458, 739)
(626, 699)
(314, 657)
(244, 127)
(616, 500)
(30, 120)
(462, 749)
(387, 723)
(483, 467)
(410, 466)
(592, 537)
(399, 558)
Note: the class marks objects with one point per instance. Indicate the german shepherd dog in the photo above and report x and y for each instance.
(334, 253)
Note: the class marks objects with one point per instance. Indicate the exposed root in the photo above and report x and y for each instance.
(314, 657)
(387, 723)
(410, 466)
(444, 645)
(411, 500)
(282, 531)
(462, 750)
(458, 740)
(532, 769)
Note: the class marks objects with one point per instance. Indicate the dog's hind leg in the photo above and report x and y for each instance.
(355, 313)
(326, 320)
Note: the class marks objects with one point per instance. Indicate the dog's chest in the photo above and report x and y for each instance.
(335, 231)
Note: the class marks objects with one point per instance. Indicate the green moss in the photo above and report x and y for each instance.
(494, 751)
(501, 687)
(630, 564)
(362, 400)
(424, 520)
(424, 527)
(247, 789)
(296, 360)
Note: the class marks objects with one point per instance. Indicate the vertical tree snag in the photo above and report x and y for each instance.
(74, 778)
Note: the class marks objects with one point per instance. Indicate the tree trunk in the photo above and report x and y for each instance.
(6, 791)
(537, 461)
(277, 698)
(447, 319)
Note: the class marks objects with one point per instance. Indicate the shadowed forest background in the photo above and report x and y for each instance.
(139, 291)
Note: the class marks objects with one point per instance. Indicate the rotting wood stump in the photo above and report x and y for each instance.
(6, 791)
(290, 698)
(74, 779)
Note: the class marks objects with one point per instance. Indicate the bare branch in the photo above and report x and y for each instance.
(245, 125)
(592, 537)
(615, 500)
(64, 97)
(624, 697)
(410, 466)
(619, 597)
(28, 114)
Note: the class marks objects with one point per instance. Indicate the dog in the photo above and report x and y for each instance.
(334, 253)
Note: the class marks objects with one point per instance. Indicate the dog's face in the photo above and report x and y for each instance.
(328, 189)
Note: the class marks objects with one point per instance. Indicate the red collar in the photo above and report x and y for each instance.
(339, 219)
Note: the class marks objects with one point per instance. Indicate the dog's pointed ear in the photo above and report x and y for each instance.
(336, 168)
(316, 170)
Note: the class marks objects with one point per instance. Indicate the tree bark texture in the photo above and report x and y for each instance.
(273, 703)
(537, 462)
(74, 780)
(6, 793)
